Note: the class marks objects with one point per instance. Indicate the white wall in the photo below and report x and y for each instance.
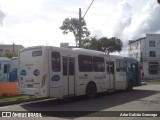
(145, 49)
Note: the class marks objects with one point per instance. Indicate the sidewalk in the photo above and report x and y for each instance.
(6, 103)
(145, 82)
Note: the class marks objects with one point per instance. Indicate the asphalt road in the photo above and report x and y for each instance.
(141, 99)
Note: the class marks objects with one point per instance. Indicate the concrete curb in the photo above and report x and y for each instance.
(143, 83)
(6, 103)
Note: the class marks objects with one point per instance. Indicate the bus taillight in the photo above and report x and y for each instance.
(44, 78)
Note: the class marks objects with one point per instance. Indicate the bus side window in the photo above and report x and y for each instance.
(133, 67)
(112, 67)
(107, 68)
(71, 67)
(85, 63)
(129, 67)
(125, 65)
(118, 66)
(98, 64)
(56, 66)
(64, 66)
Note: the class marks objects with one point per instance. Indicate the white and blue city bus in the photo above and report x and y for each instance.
(133, 70)
(60, 72)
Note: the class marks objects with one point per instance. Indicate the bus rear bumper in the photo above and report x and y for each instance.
(31, 91)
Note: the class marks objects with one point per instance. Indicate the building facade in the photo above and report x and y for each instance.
(10, 49)
(147, 51)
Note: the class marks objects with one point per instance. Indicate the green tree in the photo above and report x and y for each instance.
(105, 45)
(91, 43)
(9, 55)
(72, 25)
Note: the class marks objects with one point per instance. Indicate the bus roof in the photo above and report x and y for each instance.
(4, 59)
(131, 60)
(82, 51)
(87, 51)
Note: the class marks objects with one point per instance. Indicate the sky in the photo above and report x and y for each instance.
(37, 22)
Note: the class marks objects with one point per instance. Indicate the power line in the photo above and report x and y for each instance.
(88, 8)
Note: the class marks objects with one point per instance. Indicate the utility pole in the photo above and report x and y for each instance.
(13, 48)
(80, 29)
(80, 24)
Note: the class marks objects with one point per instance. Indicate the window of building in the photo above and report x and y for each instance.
(1, 50)
(152, 53)
(7, 50)
(98, 64)
(137, 45)
(131, 55)
(56, 66)
(152, 43)
(85, 63)
(153, 68)
(130, 47)
(136, 55)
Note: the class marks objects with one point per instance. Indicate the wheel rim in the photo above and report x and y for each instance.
(90, 91)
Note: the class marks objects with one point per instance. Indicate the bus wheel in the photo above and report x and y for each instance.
(130, 85)
(90, 90)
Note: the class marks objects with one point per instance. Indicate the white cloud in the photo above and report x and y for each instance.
(144, 21)
(123, 18)
(2, 16)
(39, 32)
(28, 24)
(37, 22)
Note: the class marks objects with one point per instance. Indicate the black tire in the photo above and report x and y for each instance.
(130, 85)
(90, 91)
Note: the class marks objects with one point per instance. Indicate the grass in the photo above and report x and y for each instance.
(17, 98)
(153, 81)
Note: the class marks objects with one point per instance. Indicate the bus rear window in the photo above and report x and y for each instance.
(56, 63)
(36, 53)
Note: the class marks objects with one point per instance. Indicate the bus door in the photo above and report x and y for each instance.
(110, 74)
(134, 70)
(68, 75)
